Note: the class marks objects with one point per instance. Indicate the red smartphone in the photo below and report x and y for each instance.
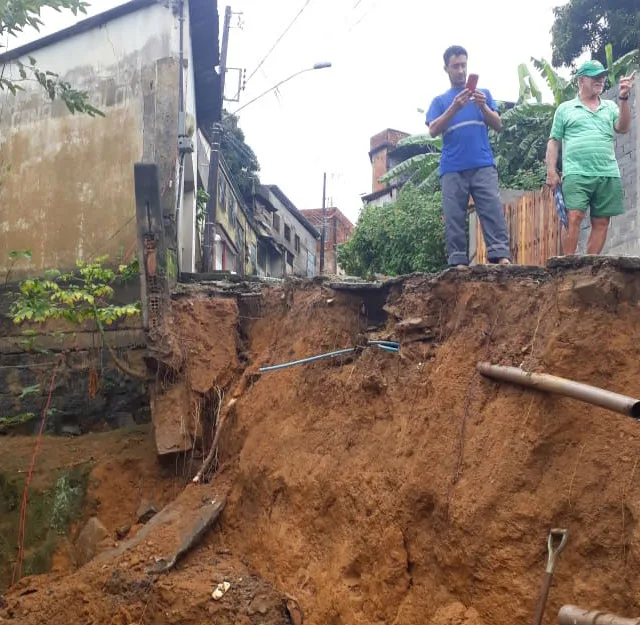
(472, 82)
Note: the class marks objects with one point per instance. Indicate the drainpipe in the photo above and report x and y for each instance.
(562, 386)
(573, 615)
(185, 144)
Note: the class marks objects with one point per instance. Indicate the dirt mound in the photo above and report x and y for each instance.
(200, 361)
(107, 475)
(385, 488)
(397, 489)
(117, 588)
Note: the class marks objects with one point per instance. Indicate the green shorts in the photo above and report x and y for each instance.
(602, 194)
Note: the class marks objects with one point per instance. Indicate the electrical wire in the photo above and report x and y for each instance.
(278, 40)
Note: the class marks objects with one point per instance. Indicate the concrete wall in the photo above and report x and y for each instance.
(624, 236)
(69, 193)
(79, 403)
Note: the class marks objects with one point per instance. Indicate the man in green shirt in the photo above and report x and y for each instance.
(586, 127)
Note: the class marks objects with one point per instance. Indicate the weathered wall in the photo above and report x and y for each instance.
(69, 192)
(624, 237)
(379, 147)
(89, 393)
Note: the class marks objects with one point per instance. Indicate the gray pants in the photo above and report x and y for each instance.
(482, 185)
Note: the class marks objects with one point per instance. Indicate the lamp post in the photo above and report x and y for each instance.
(322, 65)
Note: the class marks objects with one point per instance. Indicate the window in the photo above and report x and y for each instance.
(287, 233)
(289, 258)
(222, 195)
(296, 243)
(276, 222)
(232, 206)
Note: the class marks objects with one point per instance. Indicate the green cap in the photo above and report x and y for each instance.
(592, 69)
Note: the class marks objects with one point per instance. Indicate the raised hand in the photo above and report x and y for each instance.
(625, 84)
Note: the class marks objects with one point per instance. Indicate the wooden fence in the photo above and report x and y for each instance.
(534, 229)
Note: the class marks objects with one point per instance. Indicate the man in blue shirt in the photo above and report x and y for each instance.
(467, 166)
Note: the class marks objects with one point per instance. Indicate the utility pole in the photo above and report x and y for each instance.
(324, 219)
(208, 257)
(208, 260)
(223, 53)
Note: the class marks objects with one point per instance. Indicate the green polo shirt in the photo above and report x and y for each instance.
(588, 138)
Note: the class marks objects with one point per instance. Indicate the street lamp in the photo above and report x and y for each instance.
(322, 65)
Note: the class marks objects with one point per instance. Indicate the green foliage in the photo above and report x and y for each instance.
(14, 257)
(201, 204)
(561, 89)
(527, 86)
(240, 158)
(398, 238)
(520, 148)
(50, 514)
(621, 67)
(421, 169)
(67, 501)
(74, 297)
(10, 422)
(582, 25)
(15, 17)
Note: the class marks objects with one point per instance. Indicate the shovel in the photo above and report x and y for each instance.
(552, 555)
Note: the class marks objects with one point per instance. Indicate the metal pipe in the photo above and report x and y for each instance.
(554, 384)
(573, 615)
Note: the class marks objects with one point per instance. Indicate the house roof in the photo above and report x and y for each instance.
(204, 27)
(205, 31)
(378, 194)
(79, 27)
(290, 206)
(314, 215)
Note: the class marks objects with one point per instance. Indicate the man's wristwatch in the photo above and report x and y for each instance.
(623, 98)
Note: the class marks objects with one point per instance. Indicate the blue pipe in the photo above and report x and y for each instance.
(299, 362)
(389, 343)
(389, 346)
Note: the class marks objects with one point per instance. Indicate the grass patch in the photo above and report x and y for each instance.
(50, 513)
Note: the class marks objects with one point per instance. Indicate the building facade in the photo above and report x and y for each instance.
(148, 65)
(287, 240)
(338, 230)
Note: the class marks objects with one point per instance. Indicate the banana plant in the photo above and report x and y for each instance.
(528, 88)
(561, 89)
(421, 169)
(622, 66)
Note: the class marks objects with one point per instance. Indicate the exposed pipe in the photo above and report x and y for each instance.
(573, 615)
(388, 346)
(311, 359)
(554, 384)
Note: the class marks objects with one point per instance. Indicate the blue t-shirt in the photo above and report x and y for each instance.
(465, 142)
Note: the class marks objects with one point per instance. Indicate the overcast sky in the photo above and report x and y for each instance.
(387, 63)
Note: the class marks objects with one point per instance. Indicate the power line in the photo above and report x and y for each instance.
(278, 40)
(372, 6)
